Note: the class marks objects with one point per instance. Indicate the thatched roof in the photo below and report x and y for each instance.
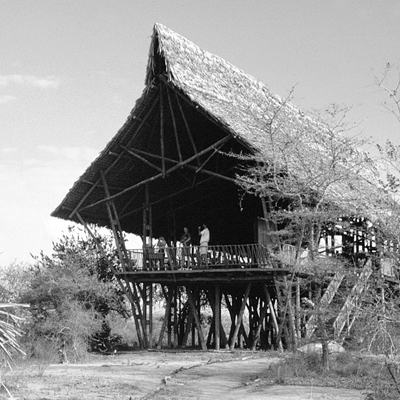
(240, 102)
(221, 98)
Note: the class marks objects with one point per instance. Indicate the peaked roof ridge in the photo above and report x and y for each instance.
(242, 103)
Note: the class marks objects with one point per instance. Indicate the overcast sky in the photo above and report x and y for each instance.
(71, 70)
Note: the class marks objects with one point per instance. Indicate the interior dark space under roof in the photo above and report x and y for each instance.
(184, 156)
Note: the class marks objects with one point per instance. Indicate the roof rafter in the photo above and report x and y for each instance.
(110, 167)
(134, 154)
(174, 125)
(162, 174)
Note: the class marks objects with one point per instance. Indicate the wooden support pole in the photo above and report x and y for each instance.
(166, 318)
(242, 336)
(138, 295)
(217, 316)
(115, 226)
(188, 129)
(178, 147)
(162, 132)
(231, 314)
(196, 319)
(176, 298)
(150, 318)
(210, 333)
(273, 316)
(143, 294)
(240, 316)
(263, 313)
(188, 328)
(169, 326)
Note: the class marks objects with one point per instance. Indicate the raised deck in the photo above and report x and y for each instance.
(219, 257)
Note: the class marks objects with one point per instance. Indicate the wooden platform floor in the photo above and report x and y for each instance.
(187, 276)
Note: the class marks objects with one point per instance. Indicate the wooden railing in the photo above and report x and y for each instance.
(218, 256)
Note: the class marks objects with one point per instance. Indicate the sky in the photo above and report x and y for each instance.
(71, 71)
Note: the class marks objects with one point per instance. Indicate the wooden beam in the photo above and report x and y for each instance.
(128, 203)
(115, 225)
(162, 133)
(187, 127)
(207, 160)
(214, 174)
(160, 200)
(132, 153)
(178, 147)
(192, 167)
(155, 177)
(101, 186)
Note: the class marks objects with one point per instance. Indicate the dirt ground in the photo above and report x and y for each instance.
(176, 375)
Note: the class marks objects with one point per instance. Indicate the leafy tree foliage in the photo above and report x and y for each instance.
(72, 291)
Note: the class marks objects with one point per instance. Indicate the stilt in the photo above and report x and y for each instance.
(217, 316)
(196, 319)
(240, 317)
(263, 313)
(168, 299)
(273, 316)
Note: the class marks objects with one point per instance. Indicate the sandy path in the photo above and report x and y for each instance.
(170, 375)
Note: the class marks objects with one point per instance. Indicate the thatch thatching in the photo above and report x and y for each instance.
(218, 100)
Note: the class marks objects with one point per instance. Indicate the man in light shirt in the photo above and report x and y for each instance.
(204, 239)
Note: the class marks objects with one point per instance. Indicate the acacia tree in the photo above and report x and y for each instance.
(310, 173)
(379, 317)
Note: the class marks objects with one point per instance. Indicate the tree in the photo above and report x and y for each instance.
(13, 281)
(71, 293)
(313, 178)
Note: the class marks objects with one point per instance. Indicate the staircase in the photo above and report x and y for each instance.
(347, 314)
(326, 299)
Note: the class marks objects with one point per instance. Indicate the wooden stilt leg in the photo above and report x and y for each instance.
(189, 325)
(217, 317)
(210, 333)
(259, 326)
(197, 320)
(273, 315)
(240, 316)
(165, 320)
(176, 295)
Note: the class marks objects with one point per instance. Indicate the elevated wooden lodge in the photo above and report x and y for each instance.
(169, 167)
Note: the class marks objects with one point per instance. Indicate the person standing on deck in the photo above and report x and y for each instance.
(186, 240)
(204, 239)
(161, 244)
